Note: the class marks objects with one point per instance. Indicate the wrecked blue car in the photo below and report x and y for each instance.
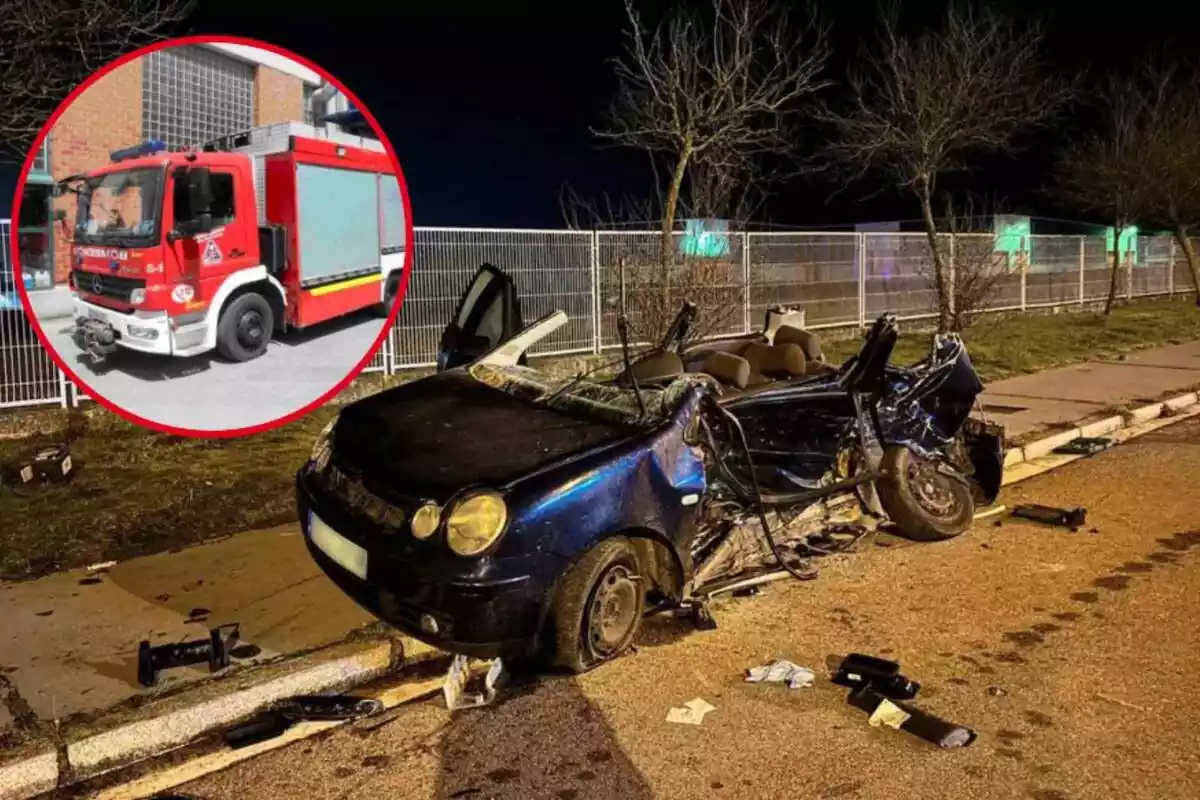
(492, 510)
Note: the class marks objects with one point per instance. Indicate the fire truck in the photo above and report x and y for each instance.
(225, 245)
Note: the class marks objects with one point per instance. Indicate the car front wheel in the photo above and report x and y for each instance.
(599, 606)
(925, 504)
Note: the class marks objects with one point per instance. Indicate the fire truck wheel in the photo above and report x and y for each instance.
(245, 327)
(384, 309)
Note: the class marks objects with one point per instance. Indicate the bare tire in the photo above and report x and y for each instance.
(925, 504)
(245, 327)
(384, 309)
(598, 607)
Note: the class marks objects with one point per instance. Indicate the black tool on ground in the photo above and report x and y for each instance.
(1083, 446)
(919, 723)
(1049, 515)
(214, 651)
(700, 614)
(307, 708)
(858, 671)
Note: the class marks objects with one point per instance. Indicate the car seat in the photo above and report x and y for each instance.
(656, 367)
(729, 369)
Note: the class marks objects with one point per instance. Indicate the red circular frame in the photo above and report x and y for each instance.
(354, 371)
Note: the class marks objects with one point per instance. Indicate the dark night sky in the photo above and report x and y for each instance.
(488, 105)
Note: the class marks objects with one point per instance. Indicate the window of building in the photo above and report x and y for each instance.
(41, 161)
(313, 110)
(191, 95)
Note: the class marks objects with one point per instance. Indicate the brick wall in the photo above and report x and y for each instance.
(107, 117)
(278, 97)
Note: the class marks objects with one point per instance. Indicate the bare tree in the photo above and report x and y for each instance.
(635, 269)
(1111, 170)
(926, 104)
(967, 239)
(1170, 150)
(717, 88)
(47, 47)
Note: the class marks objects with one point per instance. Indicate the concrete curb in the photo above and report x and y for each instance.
(128, 744)
(1103, 427)
(122, 746)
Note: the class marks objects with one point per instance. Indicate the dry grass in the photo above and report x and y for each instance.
(139, 492)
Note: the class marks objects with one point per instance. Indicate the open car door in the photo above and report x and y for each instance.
(488, 315)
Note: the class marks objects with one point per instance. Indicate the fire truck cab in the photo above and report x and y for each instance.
(282, 227)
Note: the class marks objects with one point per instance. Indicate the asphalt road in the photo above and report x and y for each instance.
(1072, 654)
(208, 393)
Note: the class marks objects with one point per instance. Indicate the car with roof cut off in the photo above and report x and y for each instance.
(494, 510)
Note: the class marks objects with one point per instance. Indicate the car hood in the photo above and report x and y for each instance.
(435, 436)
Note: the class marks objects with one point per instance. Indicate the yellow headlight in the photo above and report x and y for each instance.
(476, 523)
(425, 520)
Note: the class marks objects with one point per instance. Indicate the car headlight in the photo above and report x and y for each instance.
(475, 523)
(425, 520)
(323, 447)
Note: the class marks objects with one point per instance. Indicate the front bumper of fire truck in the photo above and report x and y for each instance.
(100, 331)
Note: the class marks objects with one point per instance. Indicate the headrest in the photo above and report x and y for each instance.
(783, 361)
(728, 368)
(809, 342)
(755, 352)
(657, 365)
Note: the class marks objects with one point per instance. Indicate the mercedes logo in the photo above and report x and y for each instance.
(97, 284)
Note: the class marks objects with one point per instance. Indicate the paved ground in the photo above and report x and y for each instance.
(1031, 402)
(64, 657)
(207, 393)
(1070, 653)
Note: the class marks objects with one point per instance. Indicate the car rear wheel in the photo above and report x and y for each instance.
(926, 505)
(245, 327)
(599, 606)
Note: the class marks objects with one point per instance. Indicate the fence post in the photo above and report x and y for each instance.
(1082, 263)
(860, 244)
(1129, 259)
(594, 277)
(1171, 266)
(1023, 262)
(746, 321)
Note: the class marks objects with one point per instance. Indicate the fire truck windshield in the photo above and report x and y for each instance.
(122, 208)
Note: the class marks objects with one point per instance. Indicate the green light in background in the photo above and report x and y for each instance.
(1012, 234)
(706, 238)
(1127, 241)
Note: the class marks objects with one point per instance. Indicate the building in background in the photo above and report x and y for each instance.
(183, 96)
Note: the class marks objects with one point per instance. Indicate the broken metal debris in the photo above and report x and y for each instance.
(1049, 515)
(277, 719)
(858, 670)
(905, 717)
(794, 675)
(1083, 446)
(101, 567)
(458, 677)
(692, 712)
(215, 651)
(879, 689)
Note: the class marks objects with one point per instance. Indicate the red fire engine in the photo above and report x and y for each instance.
(277, 228)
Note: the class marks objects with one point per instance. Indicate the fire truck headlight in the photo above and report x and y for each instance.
(137, 297)
(182, 293)
(138, 332)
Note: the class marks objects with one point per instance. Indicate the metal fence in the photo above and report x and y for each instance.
(840, 279)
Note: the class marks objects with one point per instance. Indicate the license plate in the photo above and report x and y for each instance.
(343, 552)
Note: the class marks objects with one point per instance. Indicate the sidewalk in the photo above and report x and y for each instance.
(1032, 403)
(70, 648)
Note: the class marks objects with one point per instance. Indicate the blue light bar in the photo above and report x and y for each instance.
(138, 151)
